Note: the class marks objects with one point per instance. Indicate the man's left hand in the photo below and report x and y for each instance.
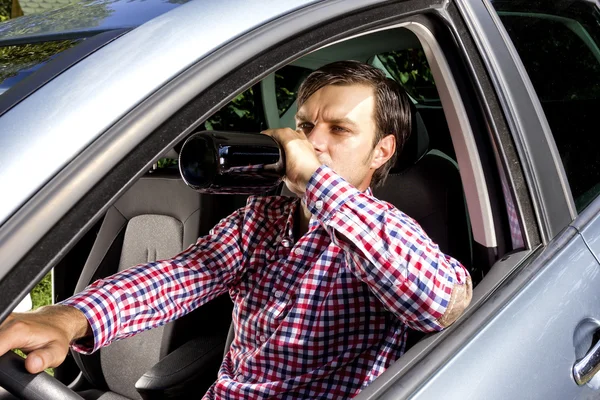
(301, 160)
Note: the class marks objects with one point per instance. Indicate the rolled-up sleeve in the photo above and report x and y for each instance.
(427, 289)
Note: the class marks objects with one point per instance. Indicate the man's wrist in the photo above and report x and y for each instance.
(75, 322)
(307, 175)
(326, 192)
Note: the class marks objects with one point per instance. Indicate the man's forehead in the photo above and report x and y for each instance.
(338, 101)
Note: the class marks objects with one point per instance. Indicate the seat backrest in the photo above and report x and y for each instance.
(426, 185)
(158, 217)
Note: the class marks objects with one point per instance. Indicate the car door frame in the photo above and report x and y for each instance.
(524, 138)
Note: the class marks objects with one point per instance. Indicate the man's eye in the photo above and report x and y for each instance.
(339, 129)
(305, 127)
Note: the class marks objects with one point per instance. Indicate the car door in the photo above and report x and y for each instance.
(174, 110)
(537, 336)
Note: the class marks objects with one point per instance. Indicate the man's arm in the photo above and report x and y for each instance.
(385, 248)
(150, 295)
(390, 252)
(130, 301)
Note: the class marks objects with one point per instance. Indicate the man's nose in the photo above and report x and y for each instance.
(318, 137)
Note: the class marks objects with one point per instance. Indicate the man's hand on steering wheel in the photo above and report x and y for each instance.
(44, 334)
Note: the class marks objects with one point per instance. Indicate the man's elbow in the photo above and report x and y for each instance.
(459, 301)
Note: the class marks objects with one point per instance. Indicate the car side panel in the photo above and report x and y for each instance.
(527, 350)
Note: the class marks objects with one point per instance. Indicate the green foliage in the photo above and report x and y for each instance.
(287, 82)
(238, 115)
(41, 294)
(81, 15)
(166, 163)
(5, 8)
(410, 68)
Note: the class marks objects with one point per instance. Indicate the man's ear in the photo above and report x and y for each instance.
(383, 151)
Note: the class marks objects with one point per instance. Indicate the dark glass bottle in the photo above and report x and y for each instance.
(231, 162)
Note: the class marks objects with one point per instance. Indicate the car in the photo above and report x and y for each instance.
(503, 170)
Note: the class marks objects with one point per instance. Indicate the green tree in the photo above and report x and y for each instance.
(410, 68)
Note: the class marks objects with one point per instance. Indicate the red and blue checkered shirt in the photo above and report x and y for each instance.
(320, 316)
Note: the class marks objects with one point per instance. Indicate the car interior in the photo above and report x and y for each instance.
(159, 216)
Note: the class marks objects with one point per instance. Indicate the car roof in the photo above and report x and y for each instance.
(42, 133)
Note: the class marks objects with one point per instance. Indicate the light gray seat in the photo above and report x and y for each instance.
(158, 217)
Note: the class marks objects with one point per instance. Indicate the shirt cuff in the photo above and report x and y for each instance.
(326, 192)
(101, 311)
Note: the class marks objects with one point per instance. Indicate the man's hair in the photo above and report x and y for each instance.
(392, 112)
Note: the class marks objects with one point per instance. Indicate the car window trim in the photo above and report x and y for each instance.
(553, 204)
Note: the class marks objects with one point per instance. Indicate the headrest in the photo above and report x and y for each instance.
(416, 146)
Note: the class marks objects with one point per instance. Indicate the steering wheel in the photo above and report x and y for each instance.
(15, 378)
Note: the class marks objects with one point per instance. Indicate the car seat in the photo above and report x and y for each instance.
(158, 217)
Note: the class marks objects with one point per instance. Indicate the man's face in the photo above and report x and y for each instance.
(339, 122)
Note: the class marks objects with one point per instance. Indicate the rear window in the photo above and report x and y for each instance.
(559, 45)
(19, 61)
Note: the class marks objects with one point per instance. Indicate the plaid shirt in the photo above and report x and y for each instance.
(320, 316)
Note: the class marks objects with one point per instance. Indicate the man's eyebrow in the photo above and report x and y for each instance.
(334, 121)
(342, 121)
(301, 117)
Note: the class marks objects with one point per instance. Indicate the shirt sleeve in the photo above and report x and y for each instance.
(149, 295)
(391, 253)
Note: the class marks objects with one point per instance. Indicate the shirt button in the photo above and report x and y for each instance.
(285, 243)
(297, 251)
(278, 294)
(262, 338)
(319, 204)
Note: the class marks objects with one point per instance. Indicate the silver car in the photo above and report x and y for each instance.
(502, 170)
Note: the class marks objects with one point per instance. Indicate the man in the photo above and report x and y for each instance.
(324, 285)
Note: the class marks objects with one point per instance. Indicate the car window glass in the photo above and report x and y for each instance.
(242, 114)
(17, 62)
(410, 68)
(287, 82)
(559, 45)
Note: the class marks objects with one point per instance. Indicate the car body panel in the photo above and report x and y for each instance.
(528, 348)
(97, 91)
(591, 230)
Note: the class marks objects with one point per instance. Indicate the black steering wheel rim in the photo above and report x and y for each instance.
(19, 382)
